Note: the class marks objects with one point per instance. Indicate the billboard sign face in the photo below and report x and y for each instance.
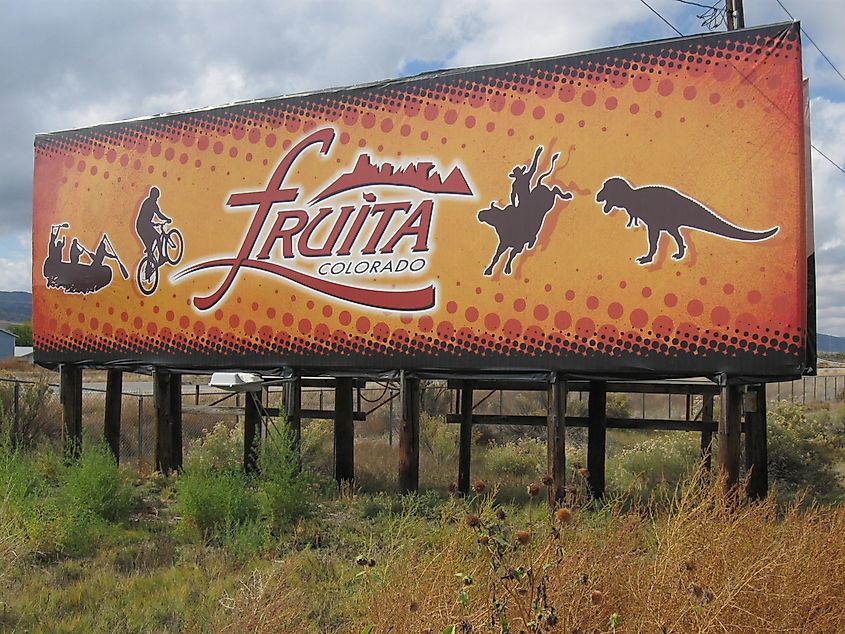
(632, 211)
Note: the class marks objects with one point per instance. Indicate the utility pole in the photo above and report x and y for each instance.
(736, 14)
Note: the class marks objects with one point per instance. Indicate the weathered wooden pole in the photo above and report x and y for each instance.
(707, 436)
(252, 424)
(556, 440)
(70, 395)
(728, 451)
(176, 419)
(168, 405)
(344, 432)
(293, 409)
(409, 436)
(756, 446)
(465, 448)
(597, 438)
(111, 421)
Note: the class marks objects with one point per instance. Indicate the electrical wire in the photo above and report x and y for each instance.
(671, 26)
(807, 35)
(812, 145)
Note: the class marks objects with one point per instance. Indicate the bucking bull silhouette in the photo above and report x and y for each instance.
(518, 225)
(660, 208)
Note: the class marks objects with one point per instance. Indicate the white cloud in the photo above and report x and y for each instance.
(15, 275)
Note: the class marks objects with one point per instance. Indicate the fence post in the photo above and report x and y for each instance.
(409, 436)
(707, 436)
(728, 450)
(344, 432)
(465, 445)
(16, 420)
(597, 438)
(140, 449)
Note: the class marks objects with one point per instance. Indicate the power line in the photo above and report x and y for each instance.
(671, 26)
(822, 154)
(807, 35)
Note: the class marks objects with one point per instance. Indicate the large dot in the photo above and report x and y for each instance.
(639, 318)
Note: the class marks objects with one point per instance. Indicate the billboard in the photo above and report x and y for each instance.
(635, 211)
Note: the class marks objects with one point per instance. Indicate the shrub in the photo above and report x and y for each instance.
(522, 458)
(33, 410)
(802, 454)
(655, 464)
(95, 484)
(281, 485)
(220, 448)
(212, 501)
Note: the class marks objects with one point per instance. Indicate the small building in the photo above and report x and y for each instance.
(7, 344)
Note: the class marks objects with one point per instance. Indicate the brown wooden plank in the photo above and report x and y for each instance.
(465, 446)
(409, 436)
(707, 436)
(556, 441)
(728, 449)
(111, 420)
(757, 447)
(344, 432)
(252, 426)
(597, 438)
(164, 435)
(176, 420)
(70, 395)
(662, 424)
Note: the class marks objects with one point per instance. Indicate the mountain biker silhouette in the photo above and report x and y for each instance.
(149, 217)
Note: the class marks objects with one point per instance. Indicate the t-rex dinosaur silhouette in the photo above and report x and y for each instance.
(518, 225)
(663, 208)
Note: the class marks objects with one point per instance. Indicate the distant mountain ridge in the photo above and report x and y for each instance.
(15, 306)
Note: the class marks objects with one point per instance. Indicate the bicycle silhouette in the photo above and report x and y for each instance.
(167, 249)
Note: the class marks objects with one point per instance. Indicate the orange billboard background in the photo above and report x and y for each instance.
(359, 227)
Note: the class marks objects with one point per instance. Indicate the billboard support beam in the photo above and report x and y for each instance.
(556, 440)
(111, 421)
(167, 394)
(707, 436)
(728, 449)
(756, 449)
(597, 438)
(344, 432)
(465, 450)
(252, 423)
(70, 395)
(293, 410)
(409, 436)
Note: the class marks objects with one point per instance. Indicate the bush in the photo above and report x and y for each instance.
(653, 465)
(94, 484)
(213, 501)
(524, 458)
(281, 485)
(220, 448)
(802, 454)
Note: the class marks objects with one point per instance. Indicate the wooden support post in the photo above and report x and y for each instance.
(111, 422)
(176, 420)
(756, 446)
(70, 395)
(707, 436)
(293, 409)
(597, 438)
(465, 448)
(556, 440)
(164, 432)
(728, 451)
(252, 423)
(344, 432)
(409, 436)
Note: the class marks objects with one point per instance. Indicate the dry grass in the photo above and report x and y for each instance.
(709, 564)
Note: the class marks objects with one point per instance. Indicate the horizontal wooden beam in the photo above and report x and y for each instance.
(619, 387)
(328, 381)
(221, 410)
(582, 421)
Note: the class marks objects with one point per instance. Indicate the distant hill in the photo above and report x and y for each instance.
(15, 306)
(829, 343)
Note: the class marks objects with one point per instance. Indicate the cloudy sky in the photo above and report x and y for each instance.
(73, 64)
